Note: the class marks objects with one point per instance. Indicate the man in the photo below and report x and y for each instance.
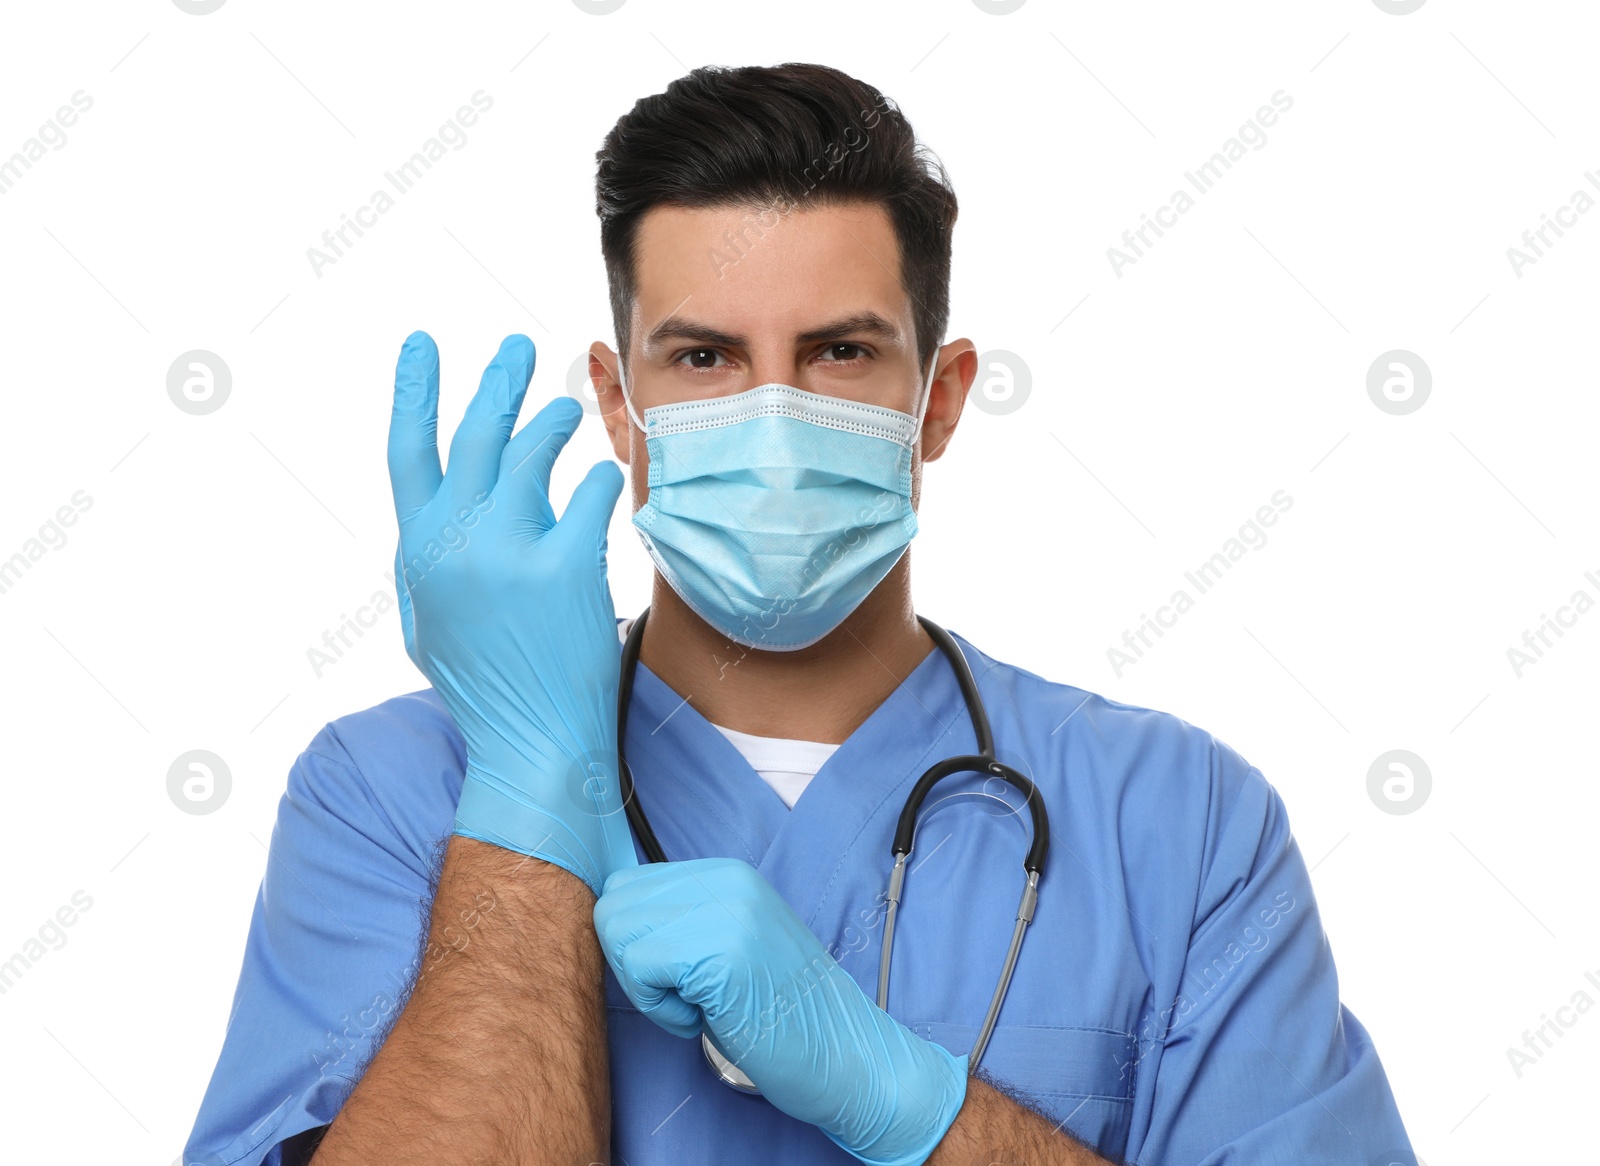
(457, 955)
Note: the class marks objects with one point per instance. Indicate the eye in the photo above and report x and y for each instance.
(842, 351)
(700, 358)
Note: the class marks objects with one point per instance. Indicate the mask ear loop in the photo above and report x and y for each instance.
(627, 397)
(927, 387)
(925, 395)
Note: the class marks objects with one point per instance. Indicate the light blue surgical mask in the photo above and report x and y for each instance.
(774, 512)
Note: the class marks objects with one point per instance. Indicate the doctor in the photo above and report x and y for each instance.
(458, 954)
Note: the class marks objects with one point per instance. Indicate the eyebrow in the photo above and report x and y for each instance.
(871, 324)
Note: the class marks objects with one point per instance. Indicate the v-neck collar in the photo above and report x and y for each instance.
(703, 798)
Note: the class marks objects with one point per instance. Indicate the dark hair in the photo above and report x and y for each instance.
(786, 136)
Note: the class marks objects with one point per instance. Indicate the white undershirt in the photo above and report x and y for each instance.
(785, 764)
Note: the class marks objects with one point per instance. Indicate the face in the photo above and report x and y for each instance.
(731, 298)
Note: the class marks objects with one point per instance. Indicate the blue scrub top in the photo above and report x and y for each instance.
(1175, 1001)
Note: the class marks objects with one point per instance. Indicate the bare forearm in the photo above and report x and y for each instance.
(500, 1053)
(993, 1130)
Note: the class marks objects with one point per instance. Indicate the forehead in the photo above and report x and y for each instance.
(754, 268)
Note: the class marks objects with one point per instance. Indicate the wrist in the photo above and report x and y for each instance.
(555, 826)
(488, 893)
(921, 1101)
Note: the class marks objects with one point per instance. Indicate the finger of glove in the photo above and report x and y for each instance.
(617, 880)
(414, 473)
(529, 457)
(672, 886)
(668, 1010)
(671, 889)
(593, 502)
(648, 970)
(486, 426)
(623, 925)
(616, 919)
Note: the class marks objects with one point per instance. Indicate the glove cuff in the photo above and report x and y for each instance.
(578, 837)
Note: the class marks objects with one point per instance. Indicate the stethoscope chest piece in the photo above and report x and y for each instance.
(730, 1073)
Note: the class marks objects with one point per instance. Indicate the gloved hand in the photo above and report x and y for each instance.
(709, 945)
(508, 613)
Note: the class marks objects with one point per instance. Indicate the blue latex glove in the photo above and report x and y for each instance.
(508, 613)
(708, 945)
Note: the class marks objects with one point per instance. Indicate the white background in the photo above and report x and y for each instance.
(1167, 404)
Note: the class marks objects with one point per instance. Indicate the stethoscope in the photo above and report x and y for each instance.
(983, 761)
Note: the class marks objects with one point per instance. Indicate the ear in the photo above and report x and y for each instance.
(608, 394)
(955, 368)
